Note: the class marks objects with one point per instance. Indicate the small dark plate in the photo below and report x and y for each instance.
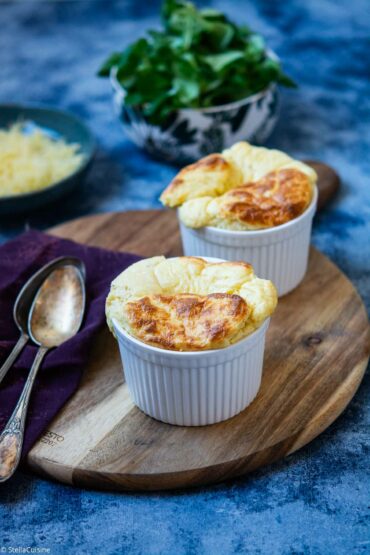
(56, 124)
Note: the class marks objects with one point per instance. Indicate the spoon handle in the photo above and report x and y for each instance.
(13, 355)
(11, 439)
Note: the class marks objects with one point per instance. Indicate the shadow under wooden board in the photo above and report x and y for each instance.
(316, 354)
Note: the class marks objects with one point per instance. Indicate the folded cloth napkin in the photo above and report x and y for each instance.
(62, 368)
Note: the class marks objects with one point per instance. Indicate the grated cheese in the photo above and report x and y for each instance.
(32, 162)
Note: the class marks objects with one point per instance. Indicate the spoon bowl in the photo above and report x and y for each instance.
(57, 310)
(24, 300)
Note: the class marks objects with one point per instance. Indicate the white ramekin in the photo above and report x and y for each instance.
(278, 253)
(192, 388)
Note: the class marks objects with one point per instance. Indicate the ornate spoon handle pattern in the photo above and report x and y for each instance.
(11, 439)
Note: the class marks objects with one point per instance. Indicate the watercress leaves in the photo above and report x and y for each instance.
(200, 59)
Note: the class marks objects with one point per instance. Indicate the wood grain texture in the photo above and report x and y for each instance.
(316, 354)
(328, 182)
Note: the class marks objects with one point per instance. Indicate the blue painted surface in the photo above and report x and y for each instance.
(317, 500)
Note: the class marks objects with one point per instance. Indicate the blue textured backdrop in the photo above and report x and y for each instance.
(317, 500)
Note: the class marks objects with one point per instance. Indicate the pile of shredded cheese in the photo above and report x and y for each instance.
(35, 161)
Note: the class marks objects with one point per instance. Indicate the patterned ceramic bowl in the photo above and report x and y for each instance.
(191, 133)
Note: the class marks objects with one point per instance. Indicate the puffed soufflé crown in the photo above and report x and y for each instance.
(189, 304)
(244, 188)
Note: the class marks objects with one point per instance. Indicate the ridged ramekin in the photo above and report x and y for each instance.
(192, 388)
(278, 253)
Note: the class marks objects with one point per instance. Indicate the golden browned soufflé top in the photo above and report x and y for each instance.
(244, 188)
(189, 304)
(187, 321)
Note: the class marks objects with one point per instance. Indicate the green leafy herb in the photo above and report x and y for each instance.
(200, 59)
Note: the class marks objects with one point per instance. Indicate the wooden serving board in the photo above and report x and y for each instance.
(316, 355)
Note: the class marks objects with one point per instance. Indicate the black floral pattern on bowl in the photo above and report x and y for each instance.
(190, 134)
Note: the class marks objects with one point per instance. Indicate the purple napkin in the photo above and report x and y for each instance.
(62, 368)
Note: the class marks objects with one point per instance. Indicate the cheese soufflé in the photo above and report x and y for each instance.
(189, 304)
(243, 188)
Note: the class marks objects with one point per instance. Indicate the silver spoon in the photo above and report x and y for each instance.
(23, 304)
(55, 316)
